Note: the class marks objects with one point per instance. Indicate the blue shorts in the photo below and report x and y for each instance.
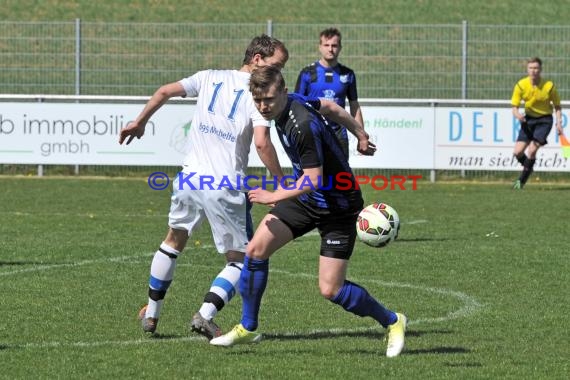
(536, 128)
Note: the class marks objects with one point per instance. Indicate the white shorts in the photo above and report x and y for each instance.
(226, 210)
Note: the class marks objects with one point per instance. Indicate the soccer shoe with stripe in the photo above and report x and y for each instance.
(395, 335)
(517, 185)
(204, 327)
(238, 335)
(148, 324)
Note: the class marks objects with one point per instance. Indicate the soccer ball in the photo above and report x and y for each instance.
(373, 226)
(393, 218)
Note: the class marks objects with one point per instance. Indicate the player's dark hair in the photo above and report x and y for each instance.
(330, 33)
(263, 78)
(534, 60)
(265, 46)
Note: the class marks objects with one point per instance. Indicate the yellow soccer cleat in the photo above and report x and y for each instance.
(395, 335)
(238, 335)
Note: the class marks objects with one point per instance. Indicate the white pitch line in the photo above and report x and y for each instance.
(470, 306)
(82, 215)
(418, 221)
(42, 267)
(78, 264)
(107, 342)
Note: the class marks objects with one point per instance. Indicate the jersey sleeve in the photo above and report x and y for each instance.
(554, 96)
(517, 95)
(256, 119)
(313, 102)
(352, 93)
(193, 83)
(301, 87)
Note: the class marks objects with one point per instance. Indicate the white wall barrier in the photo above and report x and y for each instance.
(410, 134)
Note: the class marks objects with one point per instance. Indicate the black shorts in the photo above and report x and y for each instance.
(337, 229)
(536, 128)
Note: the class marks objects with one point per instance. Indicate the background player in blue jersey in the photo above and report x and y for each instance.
(328, 79)
(316, 156)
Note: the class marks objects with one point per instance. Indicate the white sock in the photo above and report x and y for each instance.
(161, 275)
(222, 290)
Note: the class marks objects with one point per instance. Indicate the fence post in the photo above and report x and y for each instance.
(77, 67)
(463, 68)
(77, 56)
(464, 61)
(432, 172)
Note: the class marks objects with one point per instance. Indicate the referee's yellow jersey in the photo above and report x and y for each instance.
(538, 100)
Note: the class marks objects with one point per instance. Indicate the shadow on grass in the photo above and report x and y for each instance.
(438, 350)
(158, 336)
(344, 334)
(556, 188)
(419, 239)
(15, 263)
(464, 365)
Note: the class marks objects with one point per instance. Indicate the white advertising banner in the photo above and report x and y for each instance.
(483, 139)
(72, 133)
(414, 137)
(403, 135)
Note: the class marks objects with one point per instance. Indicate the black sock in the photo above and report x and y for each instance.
(521, 158)
(528, 166)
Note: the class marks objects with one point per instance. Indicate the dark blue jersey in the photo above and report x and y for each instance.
(310, 142)
(336, 83)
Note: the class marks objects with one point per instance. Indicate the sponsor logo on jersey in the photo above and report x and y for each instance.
(223, 135)
(329, 94)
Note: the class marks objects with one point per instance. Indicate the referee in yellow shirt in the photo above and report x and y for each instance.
(540, 97)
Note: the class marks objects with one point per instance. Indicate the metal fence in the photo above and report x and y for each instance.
(461, 61)
(455, 61)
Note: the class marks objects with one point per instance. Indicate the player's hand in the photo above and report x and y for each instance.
(365, 146)
(132, 130)
(261, 196)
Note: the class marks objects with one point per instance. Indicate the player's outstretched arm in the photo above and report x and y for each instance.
(339, 115)
(356, 111)
(136, 128)
(310, 181)
(266, 150)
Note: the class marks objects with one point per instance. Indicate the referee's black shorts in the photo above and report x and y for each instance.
(536, 128)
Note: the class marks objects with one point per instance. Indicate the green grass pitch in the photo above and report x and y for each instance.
(481, 271)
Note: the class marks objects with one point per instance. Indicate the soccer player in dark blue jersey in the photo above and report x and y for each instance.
(328, 79)
(314, 201)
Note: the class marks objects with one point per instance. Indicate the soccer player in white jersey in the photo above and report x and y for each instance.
(223, 126)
